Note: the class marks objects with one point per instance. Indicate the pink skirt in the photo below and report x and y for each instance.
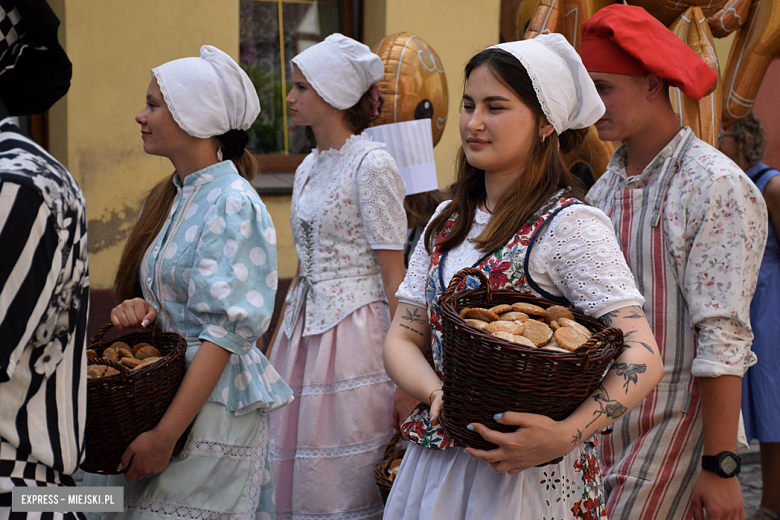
(325, 443)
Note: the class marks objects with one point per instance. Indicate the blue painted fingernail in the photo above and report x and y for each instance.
(469, 427)
(498, 416)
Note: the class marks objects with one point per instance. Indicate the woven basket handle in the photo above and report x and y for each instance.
(460, 276)
(99, 337)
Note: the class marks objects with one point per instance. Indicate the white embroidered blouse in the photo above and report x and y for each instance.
(577, 257)
(346, 203)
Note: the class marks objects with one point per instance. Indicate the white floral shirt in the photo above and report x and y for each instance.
(715, 229)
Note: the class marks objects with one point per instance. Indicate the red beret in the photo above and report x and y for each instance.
(625, 39)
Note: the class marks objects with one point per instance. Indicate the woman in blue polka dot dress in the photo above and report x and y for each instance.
(201, 262)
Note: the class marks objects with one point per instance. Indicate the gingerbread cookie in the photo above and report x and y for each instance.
(501, 309)
(570, 338)
(130, 362)
(139, 347)
(478, 323)
(481, 314)
(538, 332)
(530, 309)
(513, 316)
(511, 327)
(463, 312)
(557, 311)
(110, 353)
(504, 335)
(145, 352)
(522, 340)
(554, 325)
(91, 354)
(571, 323)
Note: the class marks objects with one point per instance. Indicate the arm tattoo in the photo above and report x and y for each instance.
(414, 318)
(577, 438)
(630, 343)
(628, 372)
(409, 328)
(607, 318)
(609, 407)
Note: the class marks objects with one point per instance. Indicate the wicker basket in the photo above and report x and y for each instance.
(485, 375)
(392, 453)
(122, 406)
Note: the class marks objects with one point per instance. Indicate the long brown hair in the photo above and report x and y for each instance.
(542, 175)
(127, 283)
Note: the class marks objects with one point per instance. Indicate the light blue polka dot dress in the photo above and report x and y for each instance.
(211, 275)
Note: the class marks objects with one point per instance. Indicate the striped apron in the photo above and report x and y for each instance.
(652, 458)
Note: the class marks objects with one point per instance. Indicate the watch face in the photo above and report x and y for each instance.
(728, 464)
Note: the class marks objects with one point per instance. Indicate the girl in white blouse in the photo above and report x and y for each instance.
(516, 216)
(349, 228)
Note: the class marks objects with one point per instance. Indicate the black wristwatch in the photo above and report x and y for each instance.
(725, 464)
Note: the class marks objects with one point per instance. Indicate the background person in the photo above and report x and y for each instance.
(512, 188)
(43, 270)
(692, 228)
(745, 144)
(201, 262)
(349, 227)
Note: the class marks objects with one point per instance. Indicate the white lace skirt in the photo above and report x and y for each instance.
(324, 444)
(223, 472)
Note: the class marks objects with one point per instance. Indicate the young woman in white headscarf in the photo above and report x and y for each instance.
(201, 262)
(349, 228)
(524, 104)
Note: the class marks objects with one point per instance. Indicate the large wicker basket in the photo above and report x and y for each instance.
(122, 406)
(485, 375)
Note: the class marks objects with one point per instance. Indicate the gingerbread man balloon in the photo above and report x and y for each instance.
(414, 85)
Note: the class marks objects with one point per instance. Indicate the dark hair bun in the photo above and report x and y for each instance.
(232, 144)
(571, 139)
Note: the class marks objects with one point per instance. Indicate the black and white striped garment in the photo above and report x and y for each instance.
(44, 300)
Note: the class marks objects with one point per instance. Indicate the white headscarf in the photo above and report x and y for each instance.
(340, 69)
(210, 95)
(564, 88)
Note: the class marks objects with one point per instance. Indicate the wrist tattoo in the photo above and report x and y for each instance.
(630, 373)
(414, 318)
(611, 408)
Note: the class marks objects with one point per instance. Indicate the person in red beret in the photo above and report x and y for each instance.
(693, 229)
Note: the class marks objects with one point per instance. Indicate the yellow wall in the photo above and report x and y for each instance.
(456, 29)
(113, 46)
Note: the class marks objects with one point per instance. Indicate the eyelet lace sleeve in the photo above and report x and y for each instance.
(578, 255)
(381, 192)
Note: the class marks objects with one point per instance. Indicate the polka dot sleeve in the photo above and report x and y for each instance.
(233, 278)
(380, 192)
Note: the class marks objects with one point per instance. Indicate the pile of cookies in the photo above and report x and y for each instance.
(526, 324)
(133, 358)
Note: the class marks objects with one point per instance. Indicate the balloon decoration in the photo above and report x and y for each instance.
(758, 43)
(414, 85)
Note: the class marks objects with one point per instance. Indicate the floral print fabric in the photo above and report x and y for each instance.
(715, 230)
